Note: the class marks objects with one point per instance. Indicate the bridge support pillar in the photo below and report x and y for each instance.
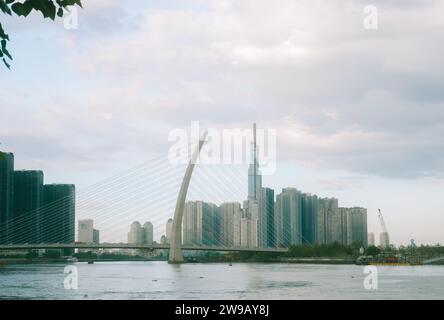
(175, 254)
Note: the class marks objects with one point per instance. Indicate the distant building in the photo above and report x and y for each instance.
(57, 223)
(329, 225)
(135, 235)
(309, 206)
(250, 224)
(201, 224)
(384, 240)
(85, 231)
(169, 228)
(266, 218)
(288, 218)
(354, 226)
(230, 215)
(371, 239)
(28, 199)
(96, 236)
(6, 196)
(148, 233)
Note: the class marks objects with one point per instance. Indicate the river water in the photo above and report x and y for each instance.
(159, 280)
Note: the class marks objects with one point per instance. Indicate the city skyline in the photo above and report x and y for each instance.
(358, 122)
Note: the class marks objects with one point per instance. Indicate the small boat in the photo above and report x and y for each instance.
(90, 262)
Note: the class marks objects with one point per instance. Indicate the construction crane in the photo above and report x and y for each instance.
(384, 240)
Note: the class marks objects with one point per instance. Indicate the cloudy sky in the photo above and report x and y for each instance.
(358, 113)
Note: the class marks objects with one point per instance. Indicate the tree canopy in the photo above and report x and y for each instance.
(49, 9)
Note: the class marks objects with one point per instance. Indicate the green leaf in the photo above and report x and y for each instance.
(4, 7)
(6, 64)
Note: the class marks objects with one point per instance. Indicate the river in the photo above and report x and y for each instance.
(159, 280)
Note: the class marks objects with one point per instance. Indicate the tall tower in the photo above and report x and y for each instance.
(6, 196)
(254, 177)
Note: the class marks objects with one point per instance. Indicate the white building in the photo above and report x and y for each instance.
(231, 213)
(169, 228)
(384, 240)
(148, 233)
(135, 236)
(85, 231)
(371, 239)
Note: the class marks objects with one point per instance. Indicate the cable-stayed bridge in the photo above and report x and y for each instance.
(148, 192)
(93, 246)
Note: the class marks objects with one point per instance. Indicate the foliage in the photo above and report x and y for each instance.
(48, 8)
(372, 251)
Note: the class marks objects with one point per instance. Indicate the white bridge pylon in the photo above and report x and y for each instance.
(175, 254)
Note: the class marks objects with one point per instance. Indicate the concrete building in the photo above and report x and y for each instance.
(96, 236)
(28, 199)
(310, 207)
(250, 224)
(288, 218)
(169, 228)
(230, 215)
(6, 196)
(266, 218)
(249, 232)
(135, 235)
(85, 231)
(329, 222)
(57, 223)
(371, 239)
(254, 176)
(384, 240)
(201, 222)
(354, 226)
(147, 233)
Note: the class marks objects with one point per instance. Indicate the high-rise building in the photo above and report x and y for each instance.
(371, 239)
(85, 231)
(354, 226)
(96, 236)
(6, 196)
(249, 232)
(210, 224)
(135, 235)
(58, 213)
(266, 218)
(148, 233)
(288, 218)
(28, 199)
(230, 214)
(200, 225)
(384, 240)
(254, 176)
(310, 206)
(329, 228)
(169, 228)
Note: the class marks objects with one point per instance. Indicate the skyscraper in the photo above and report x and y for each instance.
(135, 235)
(201, 223)
(169, 228)
(6, 196)
(148, 233)
(310, 207)
(288, 218)
(230, 215)
(254, 176)
(58, 214)
(28, 199)
(371, 239)
(85, 231)
(354, 225)
(266, 218)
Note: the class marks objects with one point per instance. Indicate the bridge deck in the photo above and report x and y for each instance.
(130, 246)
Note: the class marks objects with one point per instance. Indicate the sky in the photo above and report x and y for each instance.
(358, 113)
